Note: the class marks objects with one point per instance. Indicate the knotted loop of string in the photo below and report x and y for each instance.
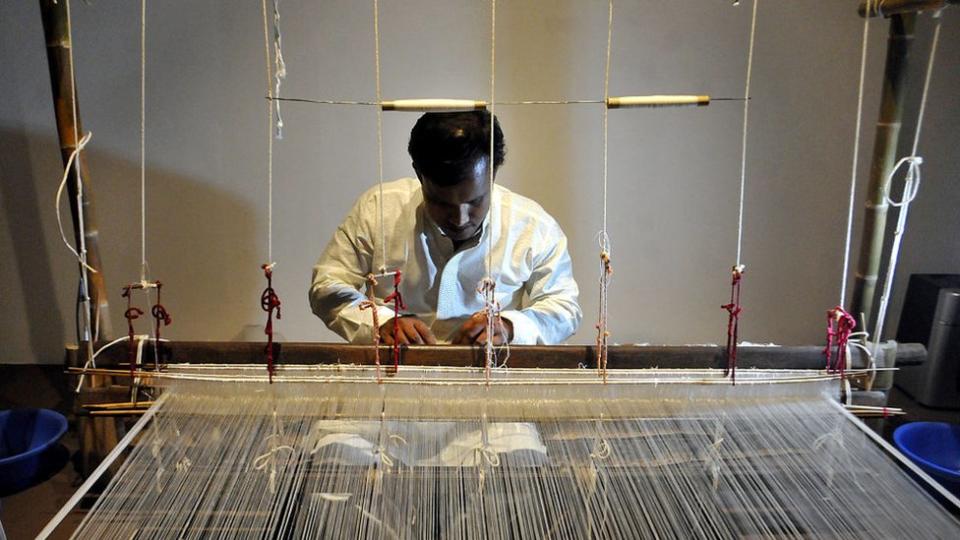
(912, 182)
(733, 309)
(601, 449)
(840, 325)
(398, 307)
(713, 459)
(487, 289)
(131, 314)
(269, 302)
(75, 155)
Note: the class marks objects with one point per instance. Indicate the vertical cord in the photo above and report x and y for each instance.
(488, 285)
(743, 142)
(376, 61)
(266, 43)
(86, 331)
(493, 109)
(926, 84)
(856, 153)
(143, 136)
(603, 333)
(604, 239)
(280, 71)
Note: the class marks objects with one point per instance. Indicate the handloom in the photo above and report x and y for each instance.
(430, 452)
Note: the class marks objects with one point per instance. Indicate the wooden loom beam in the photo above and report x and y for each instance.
(542, 356)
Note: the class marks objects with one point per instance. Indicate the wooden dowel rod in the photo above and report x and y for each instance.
(622, 102)
(119, 405)
(433, 105)
(119, 412)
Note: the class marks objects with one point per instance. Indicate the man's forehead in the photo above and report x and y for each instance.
(472, 185)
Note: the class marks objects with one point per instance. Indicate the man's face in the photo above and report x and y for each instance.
(459, 209)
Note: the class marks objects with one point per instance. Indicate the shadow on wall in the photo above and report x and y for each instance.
(203, 243)
(23, 209)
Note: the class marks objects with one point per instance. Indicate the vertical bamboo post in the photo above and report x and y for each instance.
(57, 37)
(97, 435)
(884, 154)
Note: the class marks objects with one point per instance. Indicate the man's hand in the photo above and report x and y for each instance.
(413, 331)
(474, 331)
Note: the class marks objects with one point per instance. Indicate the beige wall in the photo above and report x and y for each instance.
(673, 173)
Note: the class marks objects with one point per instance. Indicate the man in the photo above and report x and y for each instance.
(437, 229)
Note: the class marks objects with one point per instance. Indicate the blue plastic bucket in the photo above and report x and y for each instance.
(935, 447)
(29, 452)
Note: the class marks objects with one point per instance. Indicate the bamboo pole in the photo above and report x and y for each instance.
(884, 154)
(97, 435)
(57, 37)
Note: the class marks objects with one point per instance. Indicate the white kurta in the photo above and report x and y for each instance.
(535, 285)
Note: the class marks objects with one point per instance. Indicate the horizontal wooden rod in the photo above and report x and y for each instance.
(623, 102)
(473, 105)
(529, 356)
(433, 105)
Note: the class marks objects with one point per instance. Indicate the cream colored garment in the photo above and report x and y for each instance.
(535, 285)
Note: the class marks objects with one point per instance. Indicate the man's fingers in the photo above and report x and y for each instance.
(424, 332)
(409, 329)
(473, 328)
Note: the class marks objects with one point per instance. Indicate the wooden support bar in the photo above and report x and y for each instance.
(529, 356)
(886, 8)
(433, 105)
(623, 102)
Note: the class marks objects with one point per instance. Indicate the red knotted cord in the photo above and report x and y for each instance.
(160, 316)
(269, 302)
(132, 313)
(840, 325)
(733, 322)
(398, 306)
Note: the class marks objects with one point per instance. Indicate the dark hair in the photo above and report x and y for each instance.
(444, 146)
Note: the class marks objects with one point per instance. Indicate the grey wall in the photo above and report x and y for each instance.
(673, 173)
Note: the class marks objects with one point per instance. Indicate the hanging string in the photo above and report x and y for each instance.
(910, 189)
(840, 323)
(376, 61)
(269, 300)
(270, 120)
(743, 142)
(856, 153)
(398, 307)
(606, 270)
(371, 304)
(280, 72)
(63, 184)
(487, 286)
(733, 308)
(143, 138)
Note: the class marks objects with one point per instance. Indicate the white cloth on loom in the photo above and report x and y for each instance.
(356, 442)
(535, 285)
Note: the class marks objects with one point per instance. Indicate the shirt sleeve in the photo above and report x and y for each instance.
(552, 314)
(340, 275)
